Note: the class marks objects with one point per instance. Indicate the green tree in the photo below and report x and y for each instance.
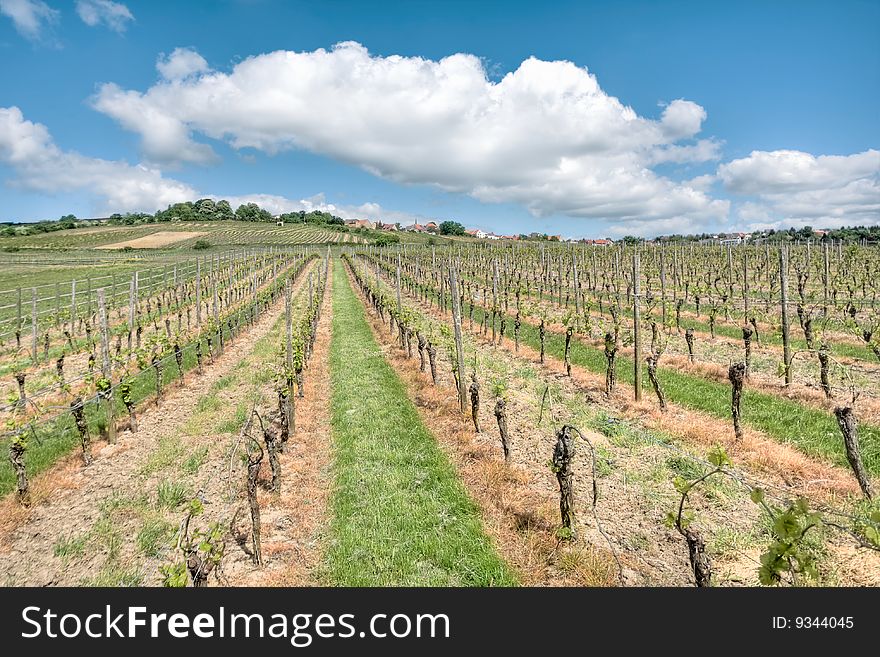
(224, 211)
(177, 212)
(252, 212)
(451, 228)
(206, 209)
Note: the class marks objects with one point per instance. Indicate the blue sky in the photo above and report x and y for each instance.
(698, 115)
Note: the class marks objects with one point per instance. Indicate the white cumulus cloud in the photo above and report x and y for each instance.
(39, 165)
(30, 17)
(545, 135)
(181, 63)
(797, 188)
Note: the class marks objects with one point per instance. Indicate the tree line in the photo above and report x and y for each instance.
(205, 209)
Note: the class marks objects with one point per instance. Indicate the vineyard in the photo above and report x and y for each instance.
(272, 412)
(220, 233)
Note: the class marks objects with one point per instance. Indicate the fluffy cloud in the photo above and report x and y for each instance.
(545, 135)
(114, 15)
(165, 139)
(682, 119)
(39, 165)
(30, 17)
(180, 64)
(796, 188)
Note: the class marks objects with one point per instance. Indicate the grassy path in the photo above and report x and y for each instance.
(401, 516)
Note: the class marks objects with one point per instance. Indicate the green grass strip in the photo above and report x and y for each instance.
(401, 517)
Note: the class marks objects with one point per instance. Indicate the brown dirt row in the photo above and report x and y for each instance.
(294, 521)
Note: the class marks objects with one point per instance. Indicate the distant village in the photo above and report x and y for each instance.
(724, 239)
(432, 228)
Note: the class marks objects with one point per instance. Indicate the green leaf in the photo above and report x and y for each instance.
(786, 526)
(687, 518)
(757, 495)
(718, 457)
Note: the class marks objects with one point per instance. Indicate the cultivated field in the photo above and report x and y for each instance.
(154, 240)
(468, 414)
(182, 235)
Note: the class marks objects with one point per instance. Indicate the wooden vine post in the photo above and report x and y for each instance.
(637, 319)
(287, 405)
(745, 286)
(494, 295)
(34, 323)
(218, 328)
(107, 396)
(198, 292)
(729, 280)
(18, 324)
(663, 281)
(132, 306)
(73, 307)
(459, 349)
(397, 283)
(783, 285)
(826, 276)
